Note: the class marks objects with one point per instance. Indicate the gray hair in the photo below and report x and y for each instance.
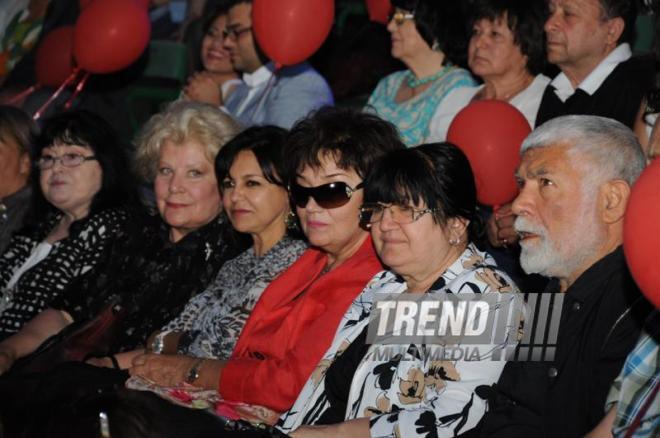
(613, 148)
(179, 122)
(19, 126)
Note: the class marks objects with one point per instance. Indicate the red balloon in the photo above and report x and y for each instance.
(54, 57)
(379, 10)
(110, 35)
(143, 3)
(290, 31)
(490, 133)
(641, 232)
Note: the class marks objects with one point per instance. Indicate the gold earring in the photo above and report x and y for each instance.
(291, 221)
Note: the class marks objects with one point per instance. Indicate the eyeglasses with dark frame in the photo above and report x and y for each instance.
(332, 195)
(67, 160)
(234, 33)
(401, 214)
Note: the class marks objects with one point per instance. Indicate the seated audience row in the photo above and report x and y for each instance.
(511, 41)
(278, 331)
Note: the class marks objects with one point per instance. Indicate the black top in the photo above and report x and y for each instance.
(151, 277)
(338, 379)
(619, 97)
(602, 316)
(82, 254)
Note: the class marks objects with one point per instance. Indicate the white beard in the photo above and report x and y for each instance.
(559, 258)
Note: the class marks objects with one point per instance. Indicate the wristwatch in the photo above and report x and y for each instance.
(193, 372)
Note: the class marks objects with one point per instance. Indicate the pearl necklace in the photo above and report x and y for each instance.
(414, 82)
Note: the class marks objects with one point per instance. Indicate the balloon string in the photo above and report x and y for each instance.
(77, 91)
(23, 94)
(56, 94)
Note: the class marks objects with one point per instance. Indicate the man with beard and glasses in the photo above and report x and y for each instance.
(575, 178)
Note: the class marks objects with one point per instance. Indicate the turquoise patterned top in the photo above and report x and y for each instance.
(413, 116)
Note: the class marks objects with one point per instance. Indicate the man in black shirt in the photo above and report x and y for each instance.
(588, 40)
(575, 178)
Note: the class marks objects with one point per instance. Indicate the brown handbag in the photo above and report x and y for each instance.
(76, 342)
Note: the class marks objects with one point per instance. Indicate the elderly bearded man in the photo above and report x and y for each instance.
(575, 178)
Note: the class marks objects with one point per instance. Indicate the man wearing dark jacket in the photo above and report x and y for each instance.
(575, 178)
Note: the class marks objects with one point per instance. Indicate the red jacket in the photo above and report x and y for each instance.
(292, 326)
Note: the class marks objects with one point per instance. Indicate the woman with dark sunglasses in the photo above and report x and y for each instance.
(293, 323)
(420, 205)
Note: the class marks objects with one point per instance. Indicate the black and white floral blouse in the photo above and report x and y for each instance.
(85, 249)
(408, 392)
(212, 320)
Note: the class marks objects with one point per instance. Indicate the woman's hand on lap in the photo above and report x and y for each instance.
(163, 369)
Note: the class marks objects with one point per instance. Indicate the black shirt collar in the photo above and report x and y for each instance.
(590, 280)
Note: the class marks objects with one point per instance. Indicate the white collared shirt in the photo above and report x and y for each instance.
(256, 82)
(564, 89)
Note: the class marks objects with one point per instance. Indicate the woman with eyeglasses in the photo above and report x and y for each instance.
(218, 79)
(294, 320)
(162, 259)
(420, 205)
(429, 37)
(78, 194)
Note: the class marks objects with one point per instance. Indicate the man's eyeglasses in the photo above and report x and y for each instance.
(68, 160)
(400, 17)
(331, 195)
(401, 214)
(234, 33)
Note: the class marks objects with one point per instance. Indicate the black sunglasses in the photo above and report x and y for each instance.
(331, 195)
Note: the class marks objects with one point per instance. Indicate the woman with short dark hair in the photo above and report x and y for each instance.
(420, 205)
(79, 193)
(428, 36)
(507, 52)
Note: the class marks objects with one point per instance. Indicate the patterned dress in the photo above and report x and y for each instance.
(409, 391)
(86, 248)
(152, 277)
(413, 116)
(212, 320)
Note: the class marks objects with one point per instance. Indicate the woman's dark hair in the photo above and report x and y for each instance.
(83, 128)
(220, 9)
(525, 20)
(441, 21)
(435, 174)
(19, 126)
(355, 139)
(265, 142)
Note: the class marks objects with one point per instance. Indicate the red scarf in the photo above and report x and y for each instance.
(292, 326)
